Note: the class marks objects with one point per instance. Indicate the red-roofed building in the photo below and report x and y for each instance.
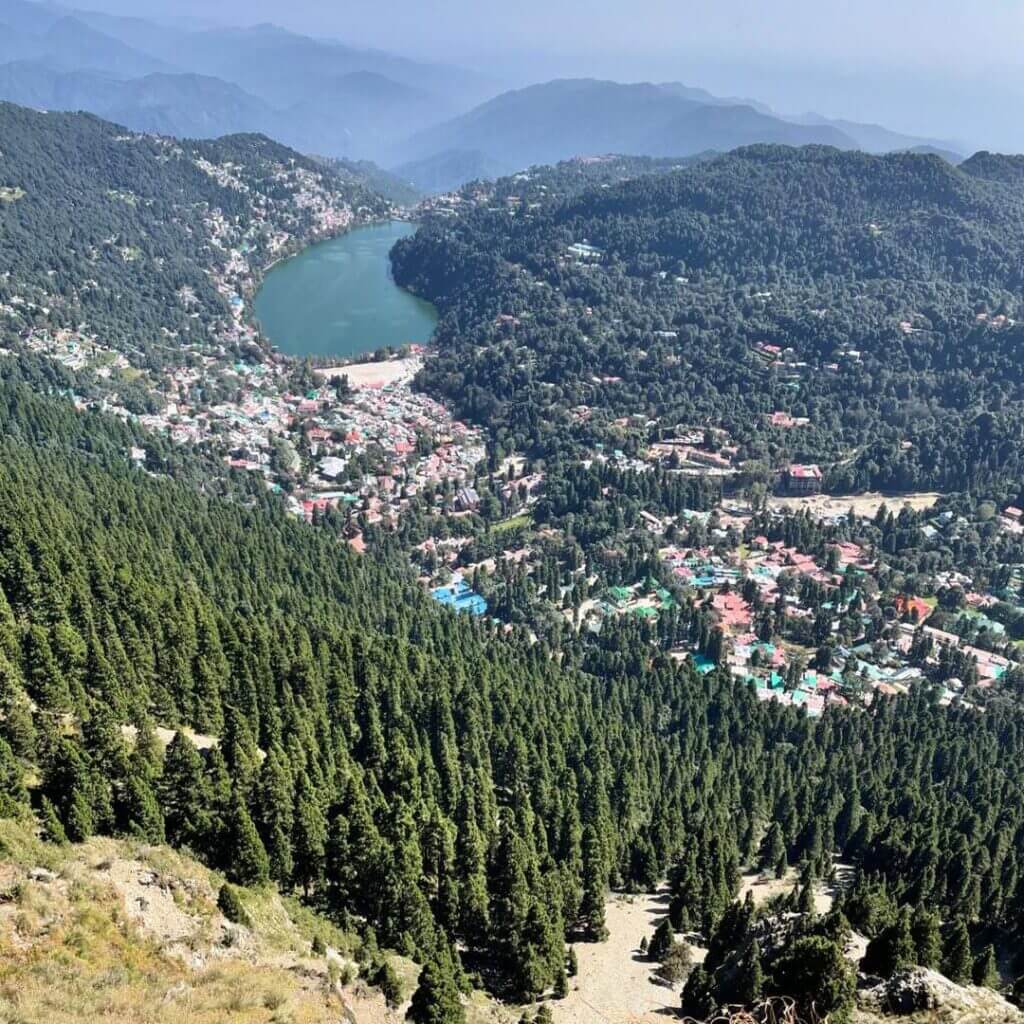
(732, 610)
(916, 607)
(803, 479)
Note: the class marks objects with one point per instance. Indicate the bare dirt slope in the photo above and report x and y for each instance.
(615, 983)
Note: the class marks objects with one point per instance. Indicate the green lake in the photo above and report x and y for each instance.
(338, 298)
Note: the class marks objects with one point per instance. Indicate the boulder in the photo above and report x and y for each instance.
(918, 990)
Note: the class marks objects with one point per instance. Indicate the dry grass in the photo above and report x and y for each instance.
(70, 955)
(98, 941)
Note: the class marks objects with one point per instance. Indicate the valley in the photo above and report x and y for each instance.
(592, 592)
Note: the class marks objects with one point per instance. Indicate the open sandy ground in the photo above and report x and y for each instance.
(826, 506)
(373, 375)
(615, 984)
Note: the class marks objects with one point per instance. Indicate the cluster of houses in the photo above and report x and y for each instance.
(404, 441)
(730, 581)
(77, 350)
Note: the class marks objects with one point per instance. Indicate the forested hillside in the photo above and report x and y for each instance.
(413, 773)
(183, 662)
(121, 237)
(873, 296)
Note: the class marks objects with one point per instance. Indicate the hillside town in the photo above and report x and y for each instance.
(721, 586)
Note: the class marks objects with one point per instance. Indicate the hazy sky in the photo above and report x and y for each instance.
(940, 67)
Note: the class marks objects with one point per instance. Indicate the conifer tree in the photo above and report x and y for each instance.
(436, 999)
(141, 812)
(985, 970)
(52, 827)
(561, 984)
(594, 884)
(310, 835)
(893, 949)
(662, 941)
(927, 933)
(749, 986)
(244, 855)
(13, 794)
(698, 994)
(185, 795)
(276, 800)
(958, 962)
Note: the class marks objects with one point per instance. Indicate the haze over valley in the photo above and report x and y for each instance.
(434, 124)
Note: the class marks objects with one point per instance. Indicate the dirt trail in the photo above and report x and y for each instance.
(616, 985)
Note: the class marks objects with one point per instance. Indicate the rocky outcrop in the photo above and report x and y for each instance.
(918, 994)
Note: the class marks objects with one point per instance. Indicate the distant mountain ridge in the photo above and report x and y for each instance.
(435, 125)
(317, 95)
(545, 123)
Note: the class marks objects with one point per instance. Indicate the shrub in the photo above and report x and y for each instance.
(230, 904)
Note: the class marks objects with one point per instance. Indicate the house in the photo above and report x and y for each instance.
(803, 479)
(916, 607)
(652, 522)
(467, 499)
(332, 467)
(787, 422)
(732, 610)
(585, 251)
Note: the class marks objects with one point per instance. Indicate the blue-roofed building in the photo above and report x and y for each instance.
(460, 596)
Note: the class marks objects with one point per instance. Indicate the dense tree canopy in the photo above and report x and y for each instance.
(865, 275)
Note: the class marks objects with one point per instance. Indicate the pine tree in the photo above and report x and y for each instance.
(893, 948)
(185, 796)
(52, 827)
(141, 812)
(561, 984)
(698, 994)
(229, 902)
(985, 970)
(662, 941)
(436, 999)
(805, 899)
(927, 933)
(749, 987)
(958, 962)
(594, 884)
(245, 858)
(310, 835)
(387, 980)
(510, 898)
(276, 813)
(13, 794)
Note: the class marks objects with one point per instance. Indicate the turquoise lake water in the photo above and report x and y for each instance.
(338, 298)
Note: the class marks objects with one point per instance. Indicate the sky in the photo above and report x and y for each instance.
(930, 67)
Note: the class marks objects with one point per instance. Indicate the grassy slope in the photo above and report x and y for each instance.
(81, 946)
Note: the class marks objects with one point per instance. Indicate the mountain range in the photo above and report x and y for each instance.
(435, 125)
